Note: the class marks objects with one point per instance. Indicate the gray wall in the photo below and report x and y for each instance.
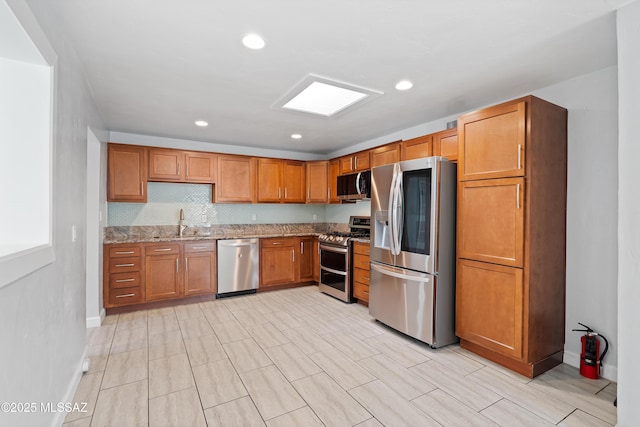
(42, 315)
(628, 214)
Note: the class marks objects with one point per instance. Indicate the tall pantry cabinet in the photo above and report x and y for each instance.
(510, 291)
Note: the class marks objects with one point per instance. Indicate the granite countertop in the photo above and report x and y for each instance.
(169, 233)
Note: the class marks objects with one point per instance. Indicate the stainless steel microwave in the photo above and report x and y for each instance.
(354, 186)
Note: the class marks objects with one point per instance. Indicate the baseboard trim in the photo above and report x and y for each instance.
(94, 322)
(608, 371)
(58, 419)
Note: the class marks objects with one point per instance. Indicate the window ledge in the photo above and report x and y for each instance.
(19, 264)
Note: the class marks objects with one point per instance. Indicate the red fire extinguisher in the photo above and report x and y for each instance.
(590, 358)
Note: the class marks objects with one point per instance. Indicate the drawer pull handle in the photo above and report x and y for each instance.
(276, 243)
(125, 253)
(125, 295)
(125, 280)
(199, 247)
(162, 250)
(125, 265)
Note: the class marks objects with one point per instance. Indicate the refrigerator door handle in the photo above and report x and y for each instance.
(398, 216)
(416, 277)
(391, 212)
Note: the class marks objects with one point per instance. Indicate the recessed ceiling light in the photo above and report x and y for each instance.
(404, 85)
(296, 136)
(201, 123)
(253, 41)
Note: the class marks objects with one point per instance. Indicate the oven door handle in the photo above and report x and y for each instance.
(333, 249)
(331, 270)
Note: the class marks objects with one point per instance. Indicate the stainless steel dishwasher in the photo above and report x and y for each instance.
(238, 266)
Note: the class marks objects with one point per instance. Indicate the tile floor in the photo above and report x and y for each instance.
(300, 358)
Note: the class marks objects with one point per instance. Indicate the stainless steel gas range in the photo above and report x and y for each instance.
(336, 255)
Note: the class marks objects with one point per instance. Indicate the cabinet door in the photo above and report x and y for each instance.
(317, 182)
(417, 148)
(445, 144)
(346, 164)
(361, 161)
(162, 277)
(491, 221)
(166, 165)
(270, 181)
(385, 155)
(294, 182)
(199, 273)
(492, 142)
(200, 167)
(305, 259)
(236, 181)
(316, 260)
(127, 176)
(334, 171)
(490, 306)
(277, 266)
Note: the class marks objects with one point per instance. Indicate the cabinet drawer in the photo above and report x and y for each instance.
(125, 251)
(360, 275)
(191, 247)
(274, 243)
(124, 280)
(361, 291)
(121, 265)
(125, 296)
(361, 248)
(162, 249)
(361, 261)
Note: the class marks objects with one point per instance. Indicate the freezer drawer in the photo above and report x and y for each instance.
(406, 301)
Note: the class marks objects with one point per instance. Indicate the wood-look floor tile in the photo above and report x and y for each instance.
(166, 344)
(218, 383)
(217, 314)
(239, 412)
(188, 311)
(124, 368)
(267, 335)
(246, 355)
(163, 311)
(98, 355)
(87, 392)
(176, 409)
(204, 349)
(507, 413)
(249, 317)
(162, 324)
(81, 422)
(609, 393)
(237, 303)
(136, 319)
(343, 370)
(451, 359)
(129, 339)
(101, 335)
(300, 417)
(571, 375)
(389, 407)
(582, 419)
(536, 401)
(371, 422)
(307, 341)
(474, 395)
(317, 324)
(125, 405)
(489, 364)
(194, 327)
(402, 354)
(401, 380)
(350, 345)
(450, 412)
(292, 362)
(169, 374)
(272, 394)
(110, 319)
(333, 405)
(230, 331)
(283, 320)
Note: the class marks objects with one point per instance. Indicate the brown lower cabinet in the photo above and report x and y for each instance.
(286, 261)
(361, 271)
(147, 272)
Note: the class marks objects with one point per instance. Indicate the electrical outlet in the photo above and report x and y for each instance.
(74, 234)
(203, 218)
(315, 217)
(253, 217)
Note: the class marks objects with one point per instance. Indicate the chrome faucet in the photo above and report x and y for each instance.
(181, 225)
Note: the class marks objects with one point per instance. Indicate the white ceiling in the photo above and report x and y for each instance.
(156, 66)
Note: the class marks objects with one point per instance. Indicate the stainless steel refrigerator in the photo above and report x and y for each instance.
(412, 282)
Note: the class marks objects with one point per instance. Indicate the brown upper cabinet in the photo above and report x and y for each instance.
(281, 181)
(236, 181)
(445, 144)
(181, 166)
(417, 148)
(389, 153)
(355, 162)
(318, 182)
(127, 177)
(334, 171)
(492, 142)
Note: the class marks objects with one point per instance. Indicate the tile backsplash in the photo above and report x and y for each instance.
(165, 200)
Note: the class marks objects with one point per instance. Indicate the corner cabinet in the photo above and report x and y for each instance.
(510, 290)
(127, 173)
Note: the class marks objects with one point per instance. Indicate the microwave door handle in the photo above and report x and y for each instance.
(358, 183)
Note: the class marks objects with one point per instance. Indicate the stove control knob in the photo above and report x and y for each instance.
(331, 238)
(339, 239)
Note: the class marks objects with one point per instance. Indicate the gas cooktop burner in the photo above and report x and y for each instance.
(359, 229)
